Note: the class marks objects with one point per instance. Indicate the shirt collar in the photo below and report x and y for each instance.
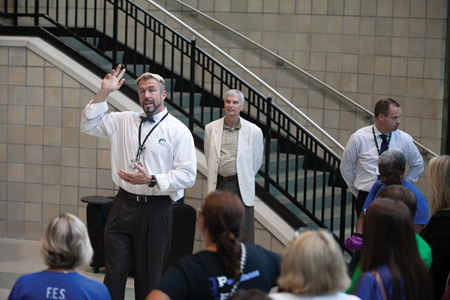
(237, 127)
(377, 132)
(157, 117)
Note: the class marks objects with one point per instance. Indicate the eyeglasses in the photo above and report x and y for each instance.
(300, 230)
(304, 229)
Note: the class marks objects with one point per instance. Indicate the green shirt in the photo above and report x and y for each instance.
(424, 253)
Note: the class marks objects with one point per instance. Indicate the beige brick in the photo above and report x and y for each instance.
(53, 77)
(70, 137)
(52, 136)
(35, 115)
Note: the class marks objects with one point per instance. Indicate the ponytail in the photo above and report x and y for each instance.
(223, 212)
(229, 252)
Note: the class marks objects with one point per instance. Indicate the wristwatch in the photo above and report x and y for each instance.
(152, 182)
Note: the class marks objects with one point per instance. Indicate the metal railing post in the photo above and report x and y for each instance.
(36, 12)
(192, 86)
(116, 24)
(268, 138)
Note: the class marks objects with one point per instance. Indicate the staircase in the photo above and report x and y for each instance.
(321, 202)
(300, 176)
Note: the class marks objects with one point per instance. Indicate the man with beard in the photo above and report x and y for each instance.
(359, 166)
(234, 153)
(153, 160)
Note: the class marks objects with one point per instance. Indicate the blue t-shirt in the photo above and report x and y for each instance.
(368, 288)
(54, 285)
(421, 217)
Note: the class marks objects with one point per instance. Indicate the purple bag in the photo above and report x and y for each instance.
(354, 243)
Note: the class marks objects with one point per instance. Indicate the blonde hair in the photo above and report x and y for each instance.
(438, 182)
(65, 242)
(148, 76)
(313, 264)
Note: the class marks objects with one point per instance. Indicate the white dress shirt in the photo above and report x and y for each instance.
(169, 152)
(359, 165)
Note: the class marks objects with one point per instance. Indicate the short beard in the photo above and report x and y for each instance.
(149, 112)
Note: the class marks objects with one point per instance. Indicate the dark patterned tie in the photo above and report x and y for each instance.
(384, 144)
(150, 119)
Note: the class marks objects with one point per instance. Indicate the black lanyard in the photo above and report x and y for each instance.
(141, 146)
(376, 142)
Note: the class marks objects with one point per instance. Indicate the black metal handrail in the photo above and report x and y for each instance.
(300, 178)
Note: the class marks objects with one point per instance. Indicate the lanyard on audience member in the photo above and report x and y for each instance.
(141, 146)
(376, 142)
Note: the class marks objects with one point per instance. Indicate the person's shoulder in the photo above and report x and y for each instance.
(27, 278)
(403, 135)
(258, 252)
(216, 122)
(361, 134)
(344, 296)
(284, 296)
(414, 189)
(249, 124)
(364, 130)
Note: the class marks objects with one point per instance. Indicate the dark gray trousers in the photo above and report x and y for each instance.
(139, 231)
(248, 228)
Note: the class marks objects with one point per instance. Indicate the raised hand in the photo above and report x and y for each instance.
(112, 82)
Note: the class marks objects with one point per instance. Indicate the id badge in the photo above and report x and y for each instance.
(131, 165)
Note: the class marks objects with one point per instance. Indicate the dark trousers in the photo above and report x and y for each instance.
(360, 200)
(248, 228)
(141, 231)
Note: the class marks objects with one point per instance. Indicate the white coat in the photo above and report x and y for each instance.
(248, 160)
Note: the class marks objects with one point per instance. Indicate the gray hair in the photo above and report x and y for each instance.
(148, 76)
(65, 242)
(237, 93)
(392, 158)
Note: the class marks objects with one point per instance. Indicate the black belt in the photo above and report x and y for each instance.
(141, 198)
(228, 178)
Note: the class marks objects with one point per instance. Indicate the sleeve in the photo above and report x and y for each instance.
(95, 122)
(421, 216)
(371, 195)
(414, 159)
(276, 264)
(174, 283)
(258, 149)
(105, 295)
(349, 158)
(355, 279)
(367, 288)
(184, 166)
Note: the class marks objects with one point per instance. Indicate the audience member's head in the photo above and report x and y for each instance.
(313, 264)
(391, 166)
(439, 183)
(253, 294)
(389, 240)
(65, 243)
(400, 193)
(223, 213)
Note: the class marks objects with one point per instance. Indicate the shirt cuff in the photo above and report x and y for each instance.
(96, 109)
(162, 182)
